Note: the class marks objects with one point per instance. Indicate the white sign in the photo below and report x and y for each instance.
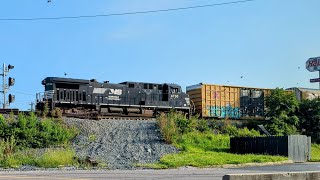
(313, 64)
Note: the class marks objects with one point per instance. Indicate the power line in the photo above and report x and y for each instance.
(125, 13)
(23, 93)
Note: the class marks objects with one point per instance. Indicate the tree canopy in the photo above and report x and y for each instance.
(309, 115)
(281, 106)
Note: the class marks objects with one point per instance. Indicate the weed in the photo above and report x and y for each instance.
(92, 137)
(56, 158)
(315, 152)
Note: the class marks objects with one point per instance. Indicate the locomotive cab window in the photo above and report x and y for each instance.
(175, 90)
(145, 86)
(48, 86)
(131, 85)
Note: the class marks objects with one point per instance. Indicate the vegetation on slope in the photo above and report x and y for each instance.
(202, 144)
(33, 141)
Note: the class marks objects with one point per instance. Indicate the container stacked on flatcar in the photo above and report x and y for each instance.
(221, 101)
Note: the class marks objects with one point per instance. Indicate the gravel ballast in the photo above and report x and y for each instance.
(120, 144)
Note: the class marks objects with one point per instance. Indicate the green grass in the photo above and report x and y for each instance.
(56, 158)
(315, 152)
(207, 150)
(199, 146)
(195, 142)
(207, 159)
(51, 158)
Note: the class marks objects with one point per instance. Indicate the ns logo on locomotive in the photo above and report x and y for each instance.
(79, 96)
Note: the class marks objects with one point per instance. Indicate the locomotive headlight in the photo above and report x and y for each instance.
(188, 101)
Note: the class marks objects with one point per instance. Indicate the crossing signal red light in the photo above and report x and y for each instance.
(11, 98)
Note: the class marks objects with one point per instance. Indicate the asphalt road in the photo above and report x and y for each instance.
(181, 173)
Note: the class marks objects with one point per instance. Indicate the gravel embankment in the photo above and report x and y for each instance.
(119, 143)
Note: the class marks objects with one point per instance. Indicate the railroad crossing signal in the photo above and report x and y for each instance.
(5, 86)
(11, 81)
(10, 67)
(11, 98)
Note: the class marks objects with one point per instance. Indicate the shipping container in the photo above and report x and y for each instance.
(305, 93)
(221, 101)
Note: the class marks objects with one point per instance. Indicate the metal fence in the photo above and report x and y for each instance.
(296, 147)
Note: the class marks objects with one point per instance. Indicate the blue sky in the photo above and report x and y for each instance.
(264, 41)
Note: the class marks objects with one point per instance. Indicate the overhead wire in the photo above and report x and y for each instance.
(28, 94)
(126, 13)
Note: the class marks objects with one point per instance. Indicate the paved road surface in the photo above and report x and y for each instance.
(180, 174)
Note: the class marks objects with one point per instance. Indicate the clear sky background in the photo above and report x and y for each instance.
(265, 42)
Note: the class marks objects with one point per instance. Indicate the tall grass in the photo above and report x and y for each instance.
(315, 152)
(173, 125)
(51, 158)
(56, 158)
(202, 142)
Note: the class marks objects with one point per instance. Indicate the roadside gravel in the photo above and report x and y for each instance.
(119, 143)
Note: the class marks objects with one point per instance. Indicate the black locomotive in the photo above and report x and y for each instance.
(80, 96)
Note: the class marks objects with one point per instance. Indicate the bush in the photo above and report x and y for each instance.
(173, 125)
(239, 132)
(31, 132)
(168, 127)
(57, 113)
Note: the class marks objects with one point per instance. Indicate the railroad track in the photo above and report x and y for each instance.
(110, 116)
(14, 111)
(88, 115)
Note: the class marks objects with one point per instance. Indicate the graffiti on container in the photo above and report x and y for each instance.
(216, 95)
(223, 112)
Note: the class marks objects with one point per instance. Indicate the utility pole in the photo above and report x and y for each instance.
(4, 86)
(32, 105)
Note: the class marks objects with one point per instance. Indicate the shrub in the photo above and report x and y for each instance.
(29, 131)
(245, 132)
(57, 113)
(239, 132)
(230, 130)
(167, 127)
(173, 125)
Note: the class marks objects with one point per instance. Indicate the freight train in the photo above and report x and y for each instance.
(78, 96)
(89, 97)
(234, 102)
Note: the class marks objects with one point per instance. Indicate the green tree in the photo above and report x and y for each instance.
(281, 107)
(309, 115)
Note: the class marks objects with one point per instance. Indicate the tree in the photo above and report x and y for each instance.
(281, 106)
(309, 115)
